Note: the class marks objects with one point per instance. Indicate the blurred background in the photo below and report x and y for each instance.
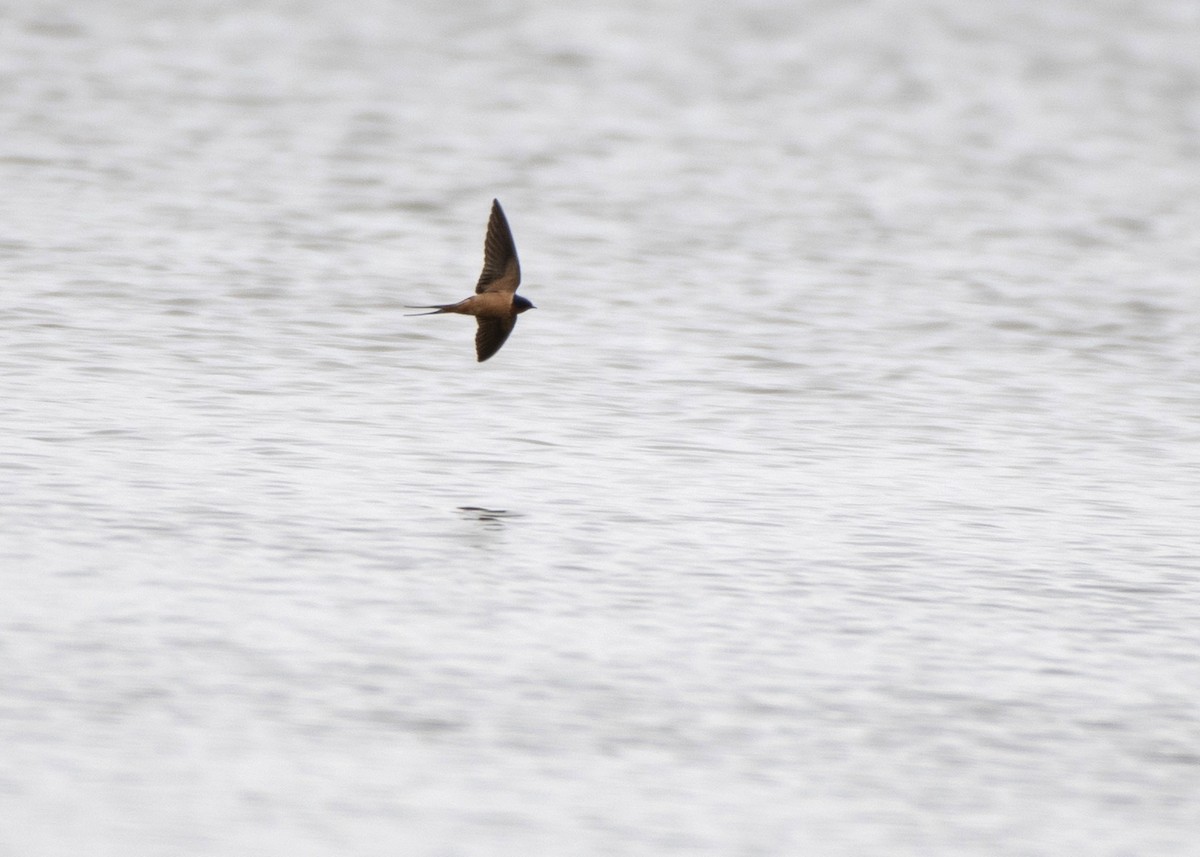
(840, 496)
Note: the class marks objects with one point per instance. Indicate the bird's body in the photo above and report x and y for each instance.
(495, 303)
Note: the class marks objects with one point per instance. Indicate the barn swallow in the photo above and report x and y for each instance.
(495, 303)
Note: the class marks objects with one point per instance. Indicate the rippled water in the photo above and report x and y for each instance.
(839, 498)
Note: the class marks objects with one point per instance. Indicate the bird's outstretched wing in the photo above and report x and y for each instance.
(501, 270)
(491, 333)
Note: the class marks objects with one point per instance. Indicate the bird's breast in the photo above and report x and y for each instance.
(492, 303)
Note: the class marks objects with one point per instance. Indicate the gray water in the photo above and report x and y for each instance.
(839, 498)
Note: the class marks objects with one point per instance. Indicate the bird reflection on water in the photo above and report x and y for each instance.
(479, 513)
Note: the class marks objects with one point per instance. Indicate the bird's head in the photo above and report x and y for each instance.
(521, 304)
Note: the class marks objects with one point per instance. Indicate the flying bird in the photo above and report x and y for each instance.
(495, 303)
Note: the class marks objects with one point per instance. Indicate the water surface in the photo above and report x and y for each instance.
(839, 497)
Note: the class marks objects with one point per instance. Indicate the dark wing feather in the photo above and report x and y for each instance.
(501, 271)
(491, 333)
